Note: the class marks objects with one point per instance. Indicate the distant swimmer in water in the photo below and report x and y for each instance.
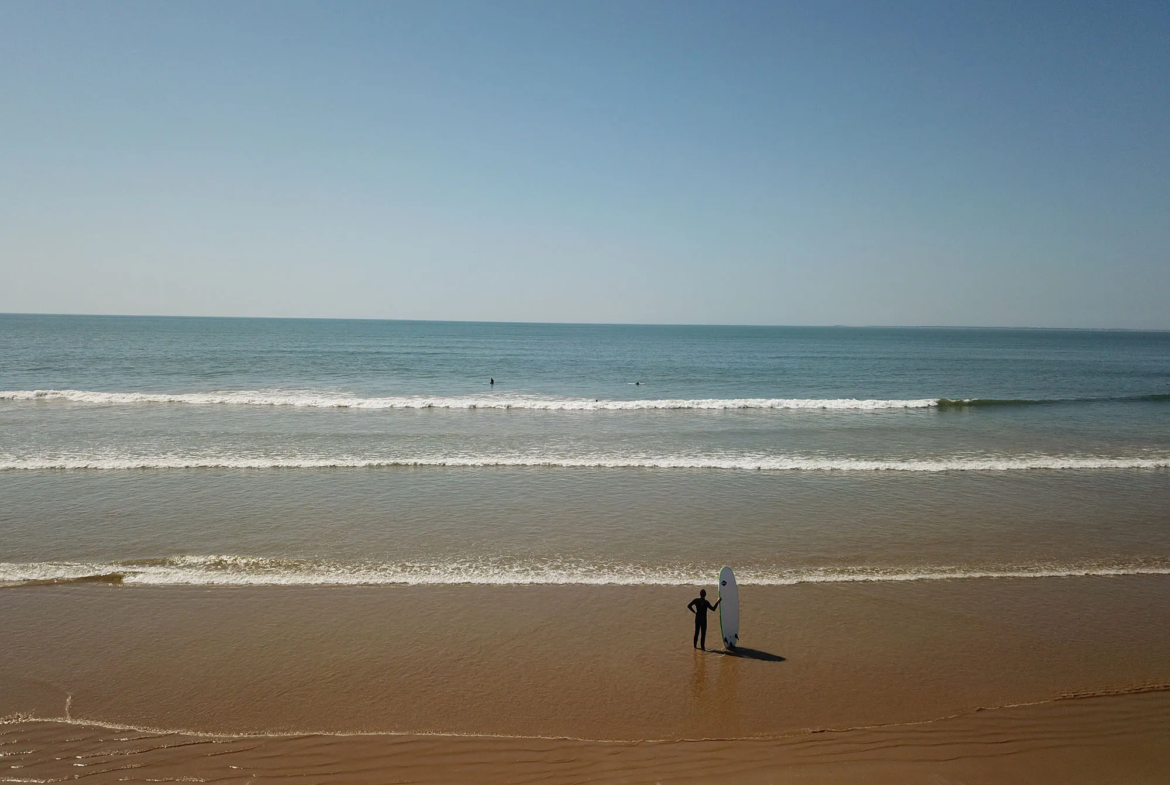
(492, 382)
(699, 606)
(637, 382)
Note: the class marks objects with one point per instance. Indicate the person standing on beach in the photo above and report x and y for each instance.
(699, 606)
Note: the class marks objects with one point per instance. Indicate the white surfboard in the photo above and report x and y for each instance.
(728, 608)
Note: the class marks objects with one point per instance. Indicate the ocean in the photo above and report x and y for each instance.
(267, 451)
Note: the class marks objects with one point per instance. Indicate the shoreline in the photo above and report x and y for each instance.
(16, 720)
(1101, 738)
(208, 572)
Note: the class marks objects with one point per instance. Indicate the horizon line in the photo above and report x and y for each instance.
(588, 324)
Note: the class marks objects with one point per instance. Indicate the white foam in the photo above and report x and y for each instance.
(255, 571)
(320, 400)
(757, 463)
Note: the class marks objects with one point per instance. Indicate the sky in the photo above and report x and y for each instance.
(870, 163)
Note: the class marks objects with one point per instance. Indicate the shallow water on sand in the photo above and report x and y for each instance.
(581, 526)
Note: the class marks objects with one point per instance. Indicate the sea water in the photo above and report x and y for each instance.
(256, 451)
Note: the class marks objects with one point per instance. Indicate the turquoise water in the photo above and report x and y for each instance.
(270, 451)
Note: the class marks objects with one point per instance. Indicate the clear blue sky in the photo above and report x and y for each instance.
(978, 163)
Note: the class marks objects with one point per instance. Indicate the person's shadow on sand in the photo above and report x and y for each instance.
(750, 654)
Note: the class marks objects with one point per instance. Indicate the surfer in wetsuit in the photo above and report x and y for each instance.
(699, 606)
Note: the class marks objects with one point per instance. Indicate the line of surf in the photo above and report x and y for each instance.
(331, 400)
(755, 463)
(315, 400)
(259, 571)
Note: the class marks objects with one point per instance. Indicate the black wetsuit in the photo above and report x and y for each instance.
(700, 606)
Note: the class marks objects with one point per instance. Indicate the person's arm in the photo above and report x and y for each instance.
(716, 605)
(691, 607)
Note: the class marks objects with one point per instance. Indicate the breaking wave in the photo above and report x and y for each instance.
(756, 463)
(314, 400)
(258, 571)
(328, 400)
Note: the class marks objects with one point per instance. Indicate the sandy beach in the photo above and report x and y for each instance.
(972, 680)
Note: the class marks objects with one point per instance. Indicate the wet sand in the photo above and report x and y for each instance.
(903, 681)
(1102, 739)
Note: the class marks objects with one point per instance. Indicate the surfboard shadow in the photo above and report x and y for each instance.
(751, 654)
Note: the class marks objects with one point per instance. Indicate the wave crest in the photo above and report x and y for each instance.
(757, 463)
